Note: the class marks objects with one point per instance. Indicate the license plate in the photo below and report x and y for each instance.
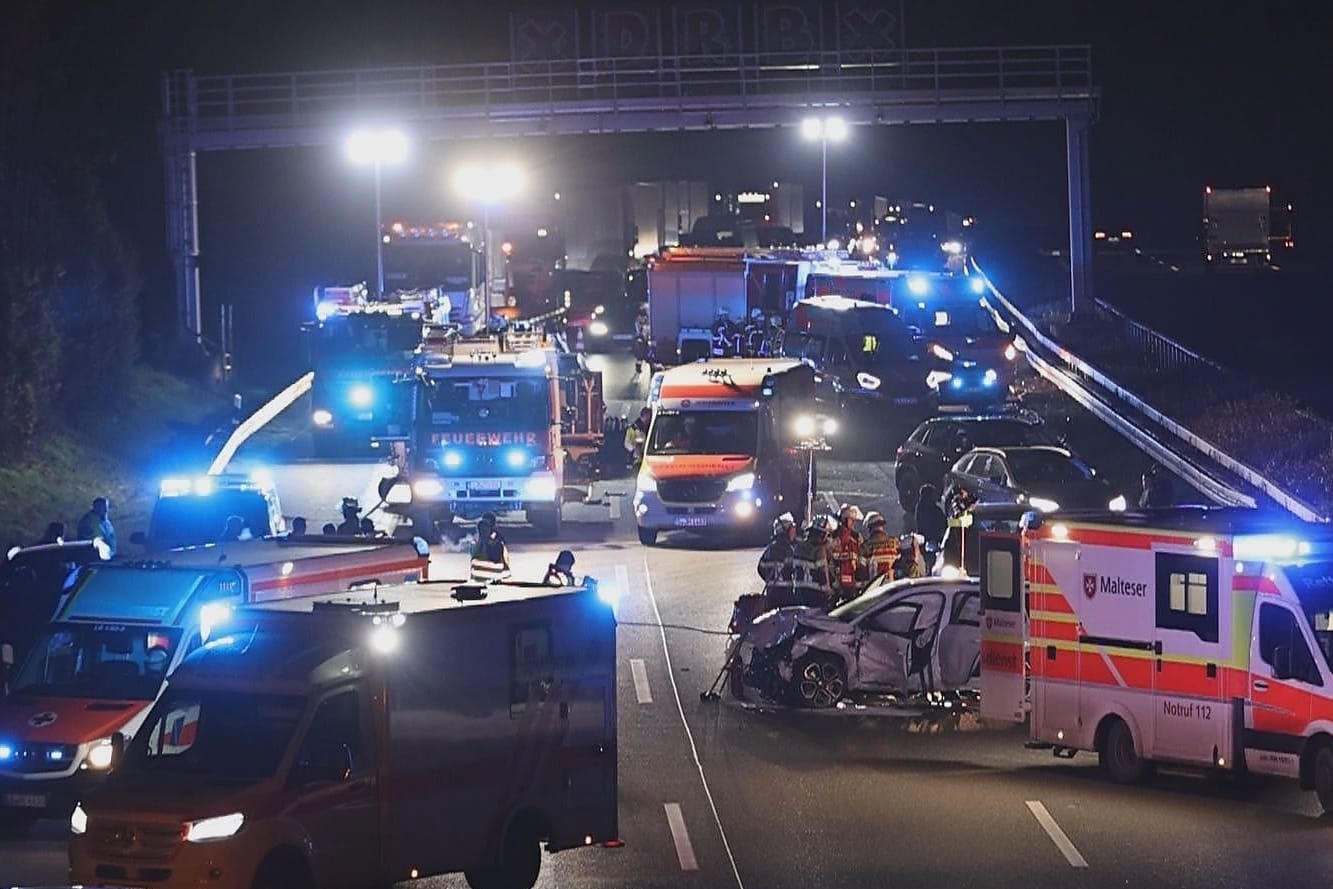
(691, 522)
(905, 401)
(26, 800)
(365, 417)
(484, 488)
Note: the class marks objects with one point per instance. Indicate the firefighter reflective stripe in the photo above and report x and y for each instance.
(483, 571)
(844, 554)
(809, 570)
(879, 553)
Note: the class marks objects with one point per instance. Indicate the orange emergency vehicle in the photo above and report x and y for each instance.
(1192, 636)
(121, 630)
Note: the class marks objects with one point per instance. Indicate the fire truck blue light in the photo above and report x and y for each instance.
(516, 458)
(452, 459)
(361, 395)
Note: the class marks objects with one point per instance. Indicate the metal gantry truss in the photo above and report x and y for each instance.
(622, 95)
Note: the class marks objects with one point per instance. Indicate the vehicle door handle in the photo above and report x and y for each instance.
(1260, 685)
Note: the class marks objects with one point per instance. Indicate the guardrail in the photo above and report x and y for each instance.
(1161, 351)
(1076, 368)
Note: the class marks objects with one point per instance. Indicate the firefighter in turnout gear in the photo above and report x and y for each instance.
(845, 554)
(879, 551)
(490, 554)
(810, 564)
(775, 564)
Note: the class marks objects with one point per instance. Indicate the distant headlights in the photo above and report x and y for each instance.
(1010, 352)
(940, 352)
(598, 328)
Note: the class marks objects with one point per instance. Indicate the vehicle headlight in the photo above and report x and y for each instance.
(322, 417)
(936, 377)
(742, 482)
(940, 352)
(218, 828)
(99, 755)
(428, 487)
(867, 381)
(804, 426)
(647, 483)
(917, 285)
(1010, 352)
(830, 426)
(598, 328)
(452, 459)
(78, 820)
(990, 377)
(956, 382)
(361, 395)
(599, 310)
(1043, 504)
(540, 487)
(1118, 503)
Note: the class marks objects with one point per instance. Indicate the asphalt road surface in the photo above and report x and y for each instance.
(721, 795)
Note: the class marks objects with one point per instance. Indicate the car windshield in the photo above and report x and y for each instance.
(223, 734)
(98, 660)
(950, 319)
(189, 520)
(367, 334)
(883, 338)
(703, 432)
(489, 403)
(423, 265)
(1031, 468)
(873, 595)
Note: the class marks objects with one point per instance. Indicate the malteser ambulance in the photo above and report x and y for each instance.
(1191, 636)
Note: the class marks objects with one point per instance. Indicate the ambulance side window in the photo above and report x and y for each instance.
(1187, 594)
(1001, 584)
(334, 733)
(1278, 628)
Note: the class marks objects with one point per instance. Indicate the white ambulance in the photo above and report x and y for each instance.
(413, 731)
(1190, 636)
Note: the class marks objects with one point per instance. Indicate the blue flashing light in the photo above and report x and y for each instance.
(608, 594)
(978, 285)
(55, 755)
(452, 459)
(6, 752)
(956, 382)
(325, 310)
(203, 486)
(917, 285)
(361, 395)
(175, 487)
(516, 458)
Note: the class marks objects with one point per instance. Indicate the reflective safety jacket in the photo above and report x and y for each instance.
(775, 569)
(878, 554)
(810, 573)
(490, 560)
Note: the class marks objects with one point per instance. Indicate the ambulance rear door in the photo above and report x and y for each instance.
(1003, 628)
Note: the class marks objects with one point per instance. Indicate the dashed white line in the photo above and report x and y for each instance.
(1062, 842)
(689, 736)
(622, 581)
(615, 509)
(640, 673)
(681, 836)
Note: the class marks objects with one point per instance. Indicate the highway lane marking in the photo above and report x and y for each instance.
(640, 672)
(681, 836)
(622, 581)
(615, 509)
(1058, 836)
(689, 735)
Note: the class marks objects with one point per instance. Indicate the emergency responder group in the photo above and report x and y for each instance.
(830, 561)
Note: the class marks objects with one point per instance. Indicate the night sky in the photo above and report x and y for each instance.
(1192, 93)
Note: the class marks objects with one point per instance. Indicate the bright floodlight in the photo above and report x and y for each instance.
(835, 129)
(812, 128)
(367, 147)
(488, 183)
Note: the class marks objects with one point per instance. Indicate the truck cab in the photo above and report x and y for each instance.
(121, 630)
(724, 449)
(367, 741)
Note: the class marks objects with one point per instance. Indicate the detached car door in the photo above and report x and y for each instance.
(959, 648)
(896, 641)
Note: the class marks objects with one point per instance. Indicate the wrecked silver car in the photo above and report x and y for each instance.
(905, 637)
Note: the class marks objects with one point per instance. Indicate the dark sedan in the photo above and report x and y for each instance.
(1044, 477)
(935, 446)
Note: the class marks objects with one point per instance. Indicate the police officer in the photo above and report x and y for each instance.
(810, 564)
(879, 550)
(351, 523)
(775, 563)
(490, 554)
(845, 553)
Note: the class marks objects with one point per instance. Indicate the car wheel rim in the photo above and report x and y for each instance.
(821, 684)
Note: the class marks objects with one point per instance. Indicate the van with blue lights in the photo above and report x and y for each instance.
(485, 435)
(120, 631)
(194, 510)
(957, 323)
(430, 729)
(729, 447)
(357, 347)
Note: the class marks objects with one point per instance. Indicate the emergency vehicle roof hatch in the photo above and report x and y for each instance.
(727, 384)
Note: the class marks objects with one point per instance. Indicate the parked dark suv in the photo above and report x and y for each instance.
(933, 448)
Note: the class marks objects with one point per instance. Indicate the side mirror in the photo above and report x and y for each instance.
(138, 538)
(1282, 663)
(117, 749)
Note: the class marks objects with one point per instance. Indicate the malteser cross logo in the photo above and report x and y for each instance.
(1089, 585)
